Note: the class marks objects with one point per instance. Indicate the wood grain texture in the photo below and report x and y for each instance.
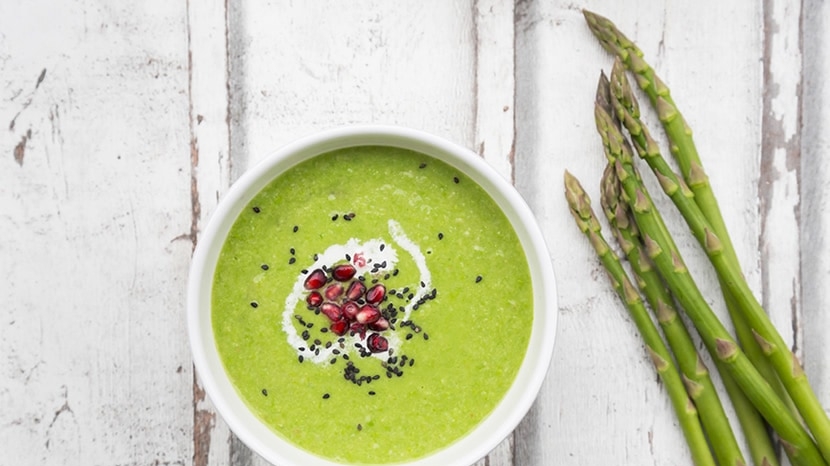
(94, 198)
(815, 197)
(125, 124)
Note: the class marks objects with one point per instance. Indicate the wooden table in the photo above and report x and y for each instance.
(125, 123)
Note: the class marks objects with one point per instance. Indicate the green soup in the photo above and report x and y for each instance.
(440, 341)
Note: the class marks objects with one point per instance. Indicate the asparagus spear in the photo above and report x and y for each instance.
(783, 360)
(755, 431)
(695, 374)
(685, 152)
(663, 252)
(580, 206)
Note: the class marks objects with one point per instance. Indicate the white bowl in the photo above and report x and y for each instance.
(510, 410)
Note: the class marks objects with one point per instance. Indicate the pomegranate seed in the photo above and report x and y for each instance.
(343, 272)
(314, 299)
(359, 260)
(375, 294)
(332, 311)
(358, 329)
(333, 291)
(355, 291)
(367, 314)
(379, 325)
(377, 343)
(339, 327)
(315, 280)
(350, 310)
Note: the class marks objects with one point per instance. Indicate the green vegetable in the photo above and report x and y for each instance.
(685, 152)
(753, 426)
(580, 206)
(663, 252)
(695, 374)
(783, 360)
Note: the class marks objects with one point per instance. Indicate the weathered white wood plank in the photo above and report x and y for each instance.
(297, 68)
(494, 83)
(210, 163)
(815, 192)
(779, 189)
(601, 384)
(93, 194)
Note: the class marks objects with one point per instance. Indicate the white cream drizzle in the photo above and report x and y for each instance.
(364, 256)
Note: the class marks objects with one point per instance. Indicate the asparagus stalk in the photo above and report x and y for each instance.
(663, 252)
(695, 374)
(755, 432)
(753, 425)
(580, 206)
(685, 152)
(783, 360)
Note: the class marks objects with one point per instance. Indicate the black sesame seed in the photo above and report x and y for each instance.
(478, 278)
(296, 228)
(455, 179)
(256, 210)
(326, 396)
(254, 304)
(264, 392)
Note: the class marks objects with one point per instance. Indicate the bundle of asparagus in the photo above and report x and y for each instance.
(762, 377)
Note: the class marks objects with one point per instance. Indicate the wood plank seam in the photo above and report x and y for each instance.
(780, 173)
